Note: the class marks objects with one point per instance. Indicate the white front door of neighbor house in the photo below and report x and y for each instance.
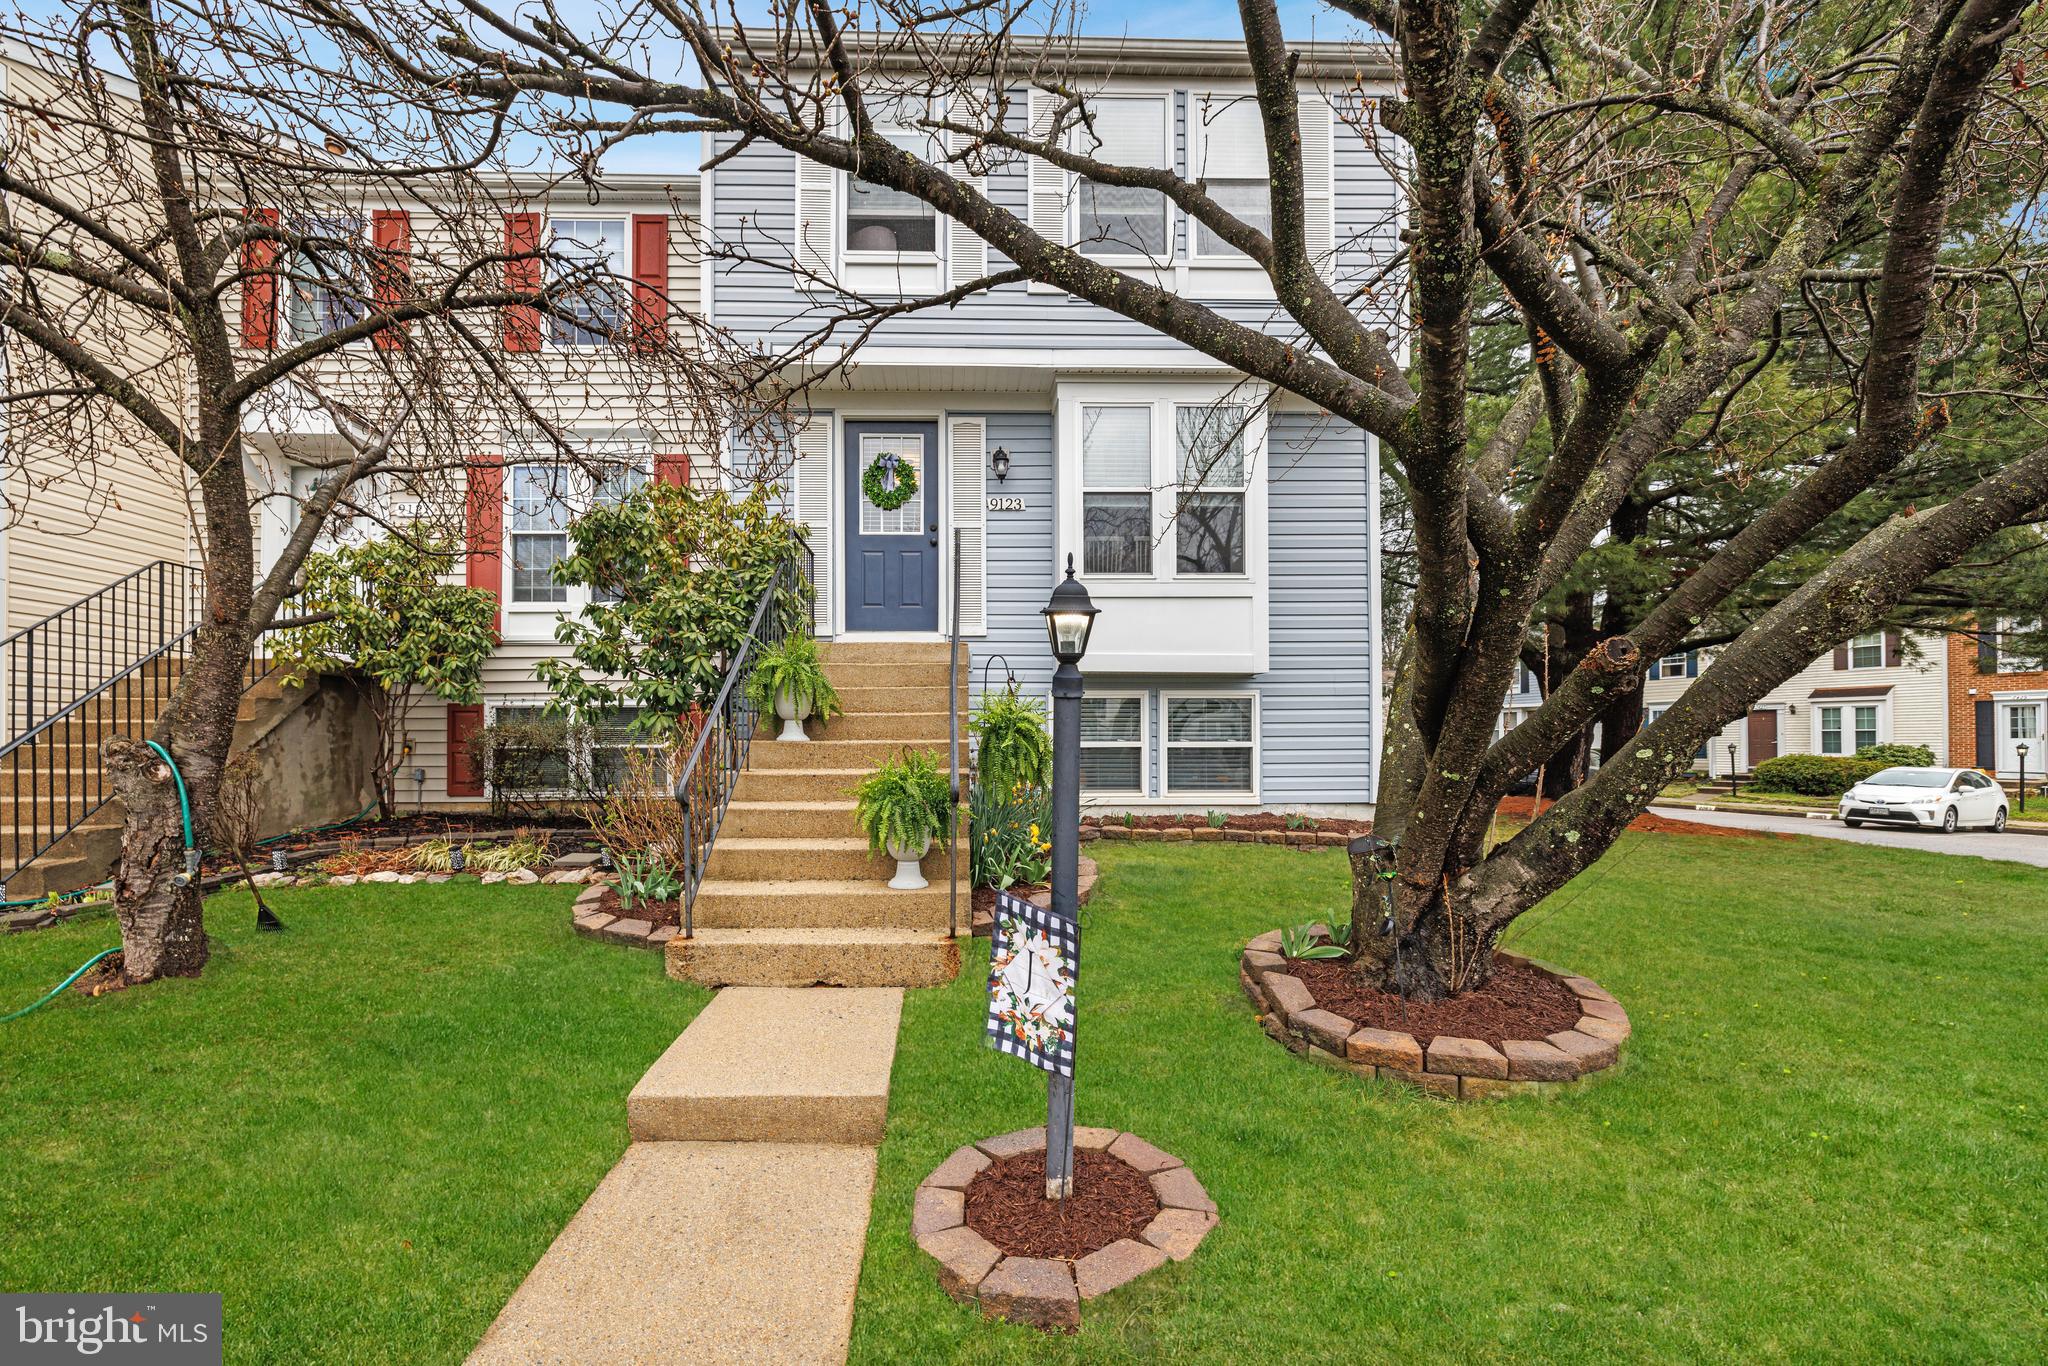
(2019, 723)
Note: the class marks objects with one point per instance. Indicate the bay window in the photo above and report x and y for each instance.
(1211, 745)
(589, 254)
(1116, 489)
(1118, 220)
(1209, 524)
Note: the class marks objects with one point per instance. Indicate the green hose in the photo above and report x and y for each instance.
(184, 805)
(56, 990)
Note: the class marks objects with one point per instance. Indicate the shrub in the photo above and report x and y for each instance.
(1014, 747)
(903, 802)
(1813, 775)
(526, 760)
(1009, 833)
(1902, 756)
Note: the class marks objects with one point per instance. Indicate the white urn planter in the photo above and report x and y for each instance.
(909, 877)
(793, 711)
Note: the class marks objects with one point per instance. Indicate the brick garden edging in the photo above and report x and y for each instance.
(1047, 1292)
(592, 923)
(1203, 834)
(1454, 1068)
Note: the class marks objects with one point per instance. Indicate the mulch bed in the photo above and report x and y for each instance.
(1006, 1204)
(1524, 808)
(1517, 1002)
(1256, 820)
(983, 903)
(570, 830)
(107, 975)
(655, 913)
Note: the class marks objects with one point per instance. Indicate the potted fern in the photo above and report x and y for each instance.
(790, 677)
(1013, 748)
(902, 808)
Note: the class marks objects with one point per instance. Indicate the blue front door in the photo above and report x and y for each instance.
(892, 554)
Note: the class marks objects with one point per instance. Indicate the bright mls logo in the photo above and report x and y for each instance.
(169, 1330)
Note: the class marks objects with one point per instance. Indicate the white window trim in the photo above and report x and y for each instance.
(1849, 656)
(1847, 706)
(532, 621)
(624, 277)
(1167, 745)
(1143, 791)
(850, 257)
(1080, 142)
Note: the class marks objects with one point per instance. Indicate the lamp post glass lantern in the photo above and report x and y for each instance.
(1069, 621)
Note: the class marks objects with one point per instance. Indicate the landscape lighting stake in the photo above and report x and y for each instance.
(1069, 620)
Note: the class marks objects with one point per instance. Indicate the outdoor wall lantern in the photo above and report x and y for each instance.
(1069, 618)
(999, 461)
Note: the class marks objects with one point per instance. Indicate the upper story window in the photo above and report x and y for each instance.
(887, 221)
(1117, 220)
(1230, 157)
(1672, 666)
(1867, 651)
(2022, 645)
(324, 286)
(592, 252)
(1209, 524)
(1116, 489)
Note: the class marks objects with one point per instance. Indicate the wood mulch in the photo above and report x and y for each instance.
(1006, 1204)
(653, 912)
(106, 975)
(1517, 1002)
(1524, 808)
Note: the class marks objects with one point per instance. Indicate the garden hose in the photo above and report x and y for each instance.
(52, 994)
(191, 873)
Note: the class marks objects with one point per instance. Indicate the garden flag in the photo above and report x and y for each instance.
(1034, 956)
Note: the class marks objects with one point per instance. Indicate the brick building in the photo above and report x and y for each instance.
(1997, 702)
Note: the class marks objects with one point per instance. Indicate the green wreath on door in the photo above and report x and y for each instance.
(874, 482)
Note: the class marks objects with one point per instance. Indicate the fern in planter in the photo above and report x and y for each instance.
(903, 802)
(793, 669)
(1013, 748)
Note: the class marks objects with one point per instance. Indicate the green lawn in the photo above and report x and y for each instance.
(1826, 1140)
(362, 1132)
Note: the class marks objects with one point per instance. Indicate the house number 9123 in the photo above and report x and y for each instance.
(1007, 503)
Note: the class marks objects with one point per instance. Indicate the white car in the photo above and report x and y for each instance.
(1933, 798)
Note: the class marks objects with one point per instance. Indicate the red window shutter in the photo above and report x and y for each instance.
(650, 279)
(522, 275)
(259, 285)
(672, 468)
(391, 235)
(463, 723)
(484, 515)
(1894, 654)
(1842, 656)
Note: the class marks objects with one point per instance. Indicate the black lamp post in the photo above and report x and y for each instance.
(1731, 768)
(2021, 750)
(1069, 620)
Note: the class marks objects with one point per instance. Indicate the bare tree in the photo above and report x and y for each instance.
(1650, 188)
(227, 240)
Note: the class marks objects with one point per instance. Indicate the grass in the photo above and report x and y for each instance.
(1825, 1142)
(362, 1132)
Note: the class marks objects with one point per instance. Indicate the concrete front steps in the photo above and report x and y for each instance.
(732, 1229)
(792, 896)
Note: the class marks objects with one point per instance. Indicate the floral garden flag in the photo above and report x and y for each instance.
(1034, 956)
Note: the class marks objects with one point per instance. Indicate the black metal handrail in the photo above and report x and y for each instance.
(118, 654)
(705, 786)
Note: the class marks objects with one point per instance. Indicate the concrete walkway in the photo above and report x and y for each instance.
(732, 1229)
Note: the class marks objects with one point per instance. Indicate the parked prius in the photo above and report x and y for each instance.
(1944, 798)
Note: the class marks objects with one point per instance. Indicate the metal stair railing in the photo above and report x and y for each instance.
(725, 734)
(106, 664)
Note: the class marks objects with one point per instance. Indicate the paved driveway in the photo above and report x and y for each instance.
(1979, 843)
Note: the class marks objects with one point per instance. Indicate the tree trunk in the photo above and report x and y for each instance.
(1422, 947)
(162, 933)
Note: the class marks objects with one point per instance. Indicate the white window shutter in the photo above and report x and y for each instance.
(1048, 184)
(817, 227)
(966, 253)
(814, 508)
(1318, 182)
(968, 437)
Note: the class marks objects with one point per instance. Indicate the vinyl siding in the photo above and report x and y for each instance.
(1315, 702)
(752, 202)
(1917, 702)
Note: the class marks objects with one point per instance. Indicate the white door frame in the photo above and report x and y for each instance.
(2008, 761)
